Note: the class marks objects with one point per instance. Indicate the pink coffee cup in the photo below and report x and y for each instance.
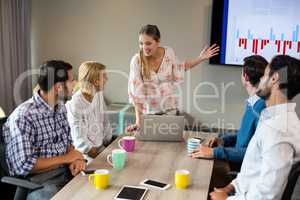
(127, 143)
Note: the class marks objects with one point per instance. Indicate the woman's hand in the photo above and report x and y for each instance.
(209, 52)
(133, 127)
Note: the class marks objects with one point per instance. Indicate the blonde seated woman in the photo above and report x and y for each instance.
(90, 128)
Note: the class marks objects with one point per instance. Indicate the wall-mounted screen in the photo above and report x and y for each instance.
(248, 27)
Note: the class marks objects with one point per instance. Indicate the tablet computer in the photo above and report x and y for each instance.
(128, 192)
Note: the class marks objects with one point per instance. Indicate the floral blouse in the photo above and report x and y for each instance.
(159, 93)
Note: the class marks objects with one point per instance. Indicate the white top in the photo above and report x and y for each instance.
(272, 151)
(88, 122)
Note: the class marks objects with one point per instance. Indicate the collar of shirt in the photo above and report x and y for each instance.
(43, 105)
(278, 109)
(252, 100)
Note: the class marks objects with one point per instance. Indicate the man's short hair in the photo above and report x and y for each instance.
(288, 69)
(254, 67)
(52, 72)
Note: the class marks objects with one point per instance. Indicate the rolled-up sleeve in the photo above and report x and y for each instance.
(80, 140)
(106, 124)
(107, 132)
(233, 154)
(178, 67)
(20, 153)
(229, 140)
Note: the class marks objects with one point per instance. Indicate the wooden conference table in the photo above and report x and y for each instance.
(152, 160)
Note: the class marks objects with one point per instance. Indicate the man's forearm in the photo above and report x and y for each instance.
(46, 164)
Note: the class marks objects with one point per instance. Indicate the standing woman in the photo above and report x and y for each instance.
(154, 72)
(90, 128)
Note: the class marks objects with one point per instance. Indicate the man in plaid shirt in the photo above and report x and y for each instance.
(37, 134)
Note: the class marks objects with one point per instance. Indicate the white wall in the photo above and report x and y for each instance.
(107, 31)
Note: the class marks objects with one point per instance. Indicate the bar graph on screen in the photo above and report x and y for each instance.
(264, 28)
(280, 45)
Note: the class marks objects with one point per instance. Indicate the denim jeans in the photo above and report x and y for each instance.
(52, 181)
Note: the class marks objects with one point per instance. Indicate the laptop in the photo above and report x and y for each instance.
(167, 128)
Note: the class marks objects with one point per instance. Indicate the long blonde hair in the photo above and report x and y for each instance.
(152, 31)
(146, 70)
(89, 72)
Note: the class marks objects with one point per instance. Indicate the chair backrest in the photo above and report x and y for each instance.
(2, 113)
(292, 180)
(3, 165)
(9, 189)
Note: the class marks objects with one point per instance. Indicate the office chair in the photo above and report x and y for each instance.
(2, 113)
(14, 186)
(292, 180)
(235, 168)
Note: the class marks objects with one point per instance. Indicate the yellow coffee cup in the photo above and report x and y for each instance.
(182, 178)
(101, 178)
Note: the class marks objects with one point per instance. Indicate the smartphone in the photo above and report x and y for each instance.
(87, 172)
(155, 184)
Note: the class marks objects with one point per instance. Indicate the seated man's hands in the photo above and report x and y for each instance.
(203, 152)
(221, 193)
(77, 166)
(218, 194)
(73, 155)
(227, 189)
(214, 142)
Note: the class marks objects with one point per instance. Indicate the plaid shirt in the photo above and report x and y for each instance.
(34, 130)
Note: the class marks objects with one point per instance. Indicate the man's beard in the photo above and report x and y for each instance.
(264, 93)
(64, 96)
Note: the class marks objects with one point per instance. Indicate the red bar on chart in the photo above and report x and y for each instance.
(284, 47)
(256, 45)
(290, 44)
(277, 42)
(260, 44)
